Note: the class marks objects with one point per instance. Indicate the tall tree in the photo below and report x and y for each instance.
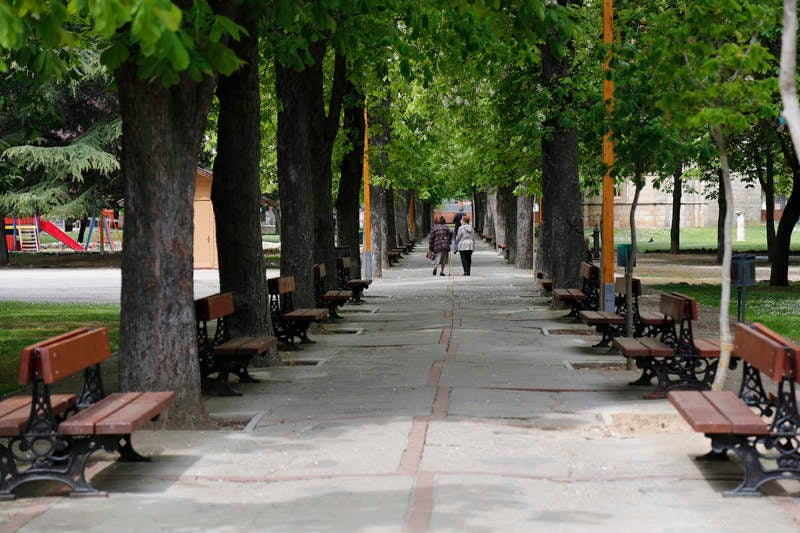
(236, 191)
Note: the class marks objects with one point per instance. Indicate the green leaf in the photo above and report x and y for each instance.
(114, 56)
(12, 30)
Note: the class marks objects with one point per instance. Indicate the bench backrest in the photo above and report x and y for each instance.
(621, 286)
(589, 271)
(214, 306)
(281, 285)
(64, 355)
(767, 351)
(678, 307)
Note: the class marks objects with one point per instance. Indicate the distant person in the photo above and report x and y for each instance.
(439, 244)
(465, 240)
(457, 224)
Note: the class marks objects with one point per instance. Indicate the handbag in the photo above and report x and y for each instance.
(429, 255)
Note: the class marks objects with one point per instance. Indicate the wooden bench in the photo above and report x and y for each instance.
(544, 282)
(288, 321)
(676, 358)
(356, 286)
(407, 247)
(587, 297)
(611, 324)
(394, 257)
(503, 250)
(223, 354)
(51, 436)
(325, 298)
(761, 428)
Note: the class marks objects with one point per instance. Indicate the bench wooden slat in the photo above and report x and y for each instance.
(214, 306)
(707, 347)
(593, 318)
(631, 347)
(306, 314)
(743, 420)
(657, 348)
(26, 368)
(281, 285)
(58, 360)
(83, 423)
(135, 414)
(695, 408)
(762, 351)
(245, 346)
(717, 412)
(117, 414)
(14, 412)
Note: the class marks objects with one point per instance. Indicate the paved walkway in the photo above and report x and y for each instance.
(440, 404)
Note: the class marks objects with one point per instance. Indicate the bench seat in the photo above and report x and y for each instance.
(117, 414)
(15, 412)
(306, 315)
(245, 346)
(717, 412)
(595, 318)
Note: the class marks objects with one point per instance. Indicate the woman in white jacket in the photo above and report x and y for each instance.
(465, 241)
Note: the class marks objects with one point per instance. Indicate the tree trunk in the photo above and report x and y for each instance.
(402, 200)
(295, 90)
(324, 134)
(236, 190)
(478, 210)
(779, 271)
(779, 274)
(725, 191)
(491, 213)
(391, 220)
(675, 223)
(765, 172)
(378, 229)
(524, 244)
(507, 212)
(724, 207)
(161, 133)
(563, 239)
(351, 175)
(5, 258)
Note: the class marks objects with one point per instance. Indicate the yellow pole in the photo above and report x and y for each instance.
(607, 218)
(367, 214)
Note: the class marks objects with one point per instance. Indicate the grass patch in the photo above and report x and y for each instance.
(698, 239)
(27, 323)
(775, 307)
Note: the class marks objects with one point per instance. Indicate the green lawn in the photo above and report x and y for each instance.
(698, 239)
(27, 323)
(778, 308)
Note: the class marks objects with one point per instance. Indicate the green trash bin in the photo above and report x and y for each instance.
(624, 252)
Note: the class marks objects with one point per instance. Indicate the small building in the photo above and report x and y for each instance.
(205, 230)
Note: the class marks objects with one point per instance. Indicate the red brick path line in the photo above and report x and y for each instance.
(419, 516)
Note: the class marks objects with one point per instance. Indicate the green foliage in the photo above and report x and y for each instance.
(164, 39)
(71, 162)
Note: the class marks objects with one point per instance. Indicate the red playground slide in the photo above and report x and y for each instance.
(52, 229)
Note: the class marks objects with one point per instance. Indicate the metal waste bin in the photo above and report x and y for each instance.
(743, 270)
(624, 252)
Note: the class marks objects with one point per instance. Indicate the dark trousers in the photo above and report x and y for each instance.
(466, 260)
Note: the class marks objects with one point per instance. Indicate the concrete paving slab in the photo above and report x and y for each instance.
(440, 404)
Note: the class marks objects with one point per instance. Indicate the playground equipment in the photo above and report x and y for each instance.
(22, 233)
(104, 234)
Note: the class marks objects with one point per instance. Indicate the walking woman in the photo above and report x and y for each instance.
(439, 244)
(465, 242)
